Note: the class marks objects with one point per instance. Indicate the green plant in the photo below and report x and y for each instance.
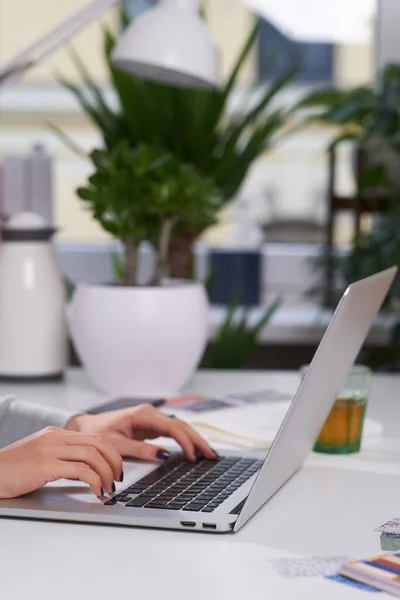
(141, 194)
(193, 125)
(237, 338)
(370, 116)
(362, 111)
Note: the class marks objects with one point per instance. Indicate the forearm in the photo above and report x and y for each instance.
(20, 419)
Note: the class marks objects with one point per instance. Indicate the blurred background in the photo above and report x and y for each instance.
(285, 206)
(288, 184)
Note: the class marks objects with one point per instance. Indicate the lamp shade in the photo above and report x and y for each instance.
(170, 44)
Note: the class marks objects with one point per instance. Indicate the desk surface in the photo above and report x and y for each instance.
(331, 506)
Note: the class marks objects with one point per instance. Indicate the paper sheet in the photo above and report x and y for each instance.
(253, 427)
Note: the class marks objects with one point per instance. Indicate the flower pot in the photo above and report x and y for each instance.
(140, 341)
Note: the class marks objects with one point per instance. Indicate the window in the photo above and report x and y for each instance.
(288, 184)
(315, 60)
(136, 7)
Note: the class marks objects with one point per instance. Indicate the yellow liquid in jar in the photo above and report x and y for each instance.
(342, 429)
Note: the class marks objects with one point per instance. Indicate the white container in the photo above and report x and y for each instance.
(27, 184)
(40, 178)
(33, 332)
(140, 341)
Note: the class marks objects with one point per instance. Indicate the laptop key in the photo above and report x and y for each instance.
(208, 509)
(156, 505)
(140, 501)
(194, 507)
(124, 499)
(151, 478)
(135, 489)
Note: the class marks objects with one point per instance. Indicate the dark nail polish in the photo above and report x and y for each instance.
(101, 492)
(121, 477)
(113, 488)
(215, 452)
(163, 455)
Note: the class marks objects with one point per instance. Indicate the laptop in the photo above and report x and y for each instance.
(221, 496)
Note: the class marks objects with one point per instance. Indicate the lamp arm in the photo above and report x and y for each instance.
(62, 33)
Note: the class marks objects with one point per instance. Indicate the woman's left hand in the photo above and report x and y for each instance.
(128, 429)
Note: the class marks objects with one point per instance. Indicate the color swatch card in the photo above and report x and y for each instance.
(380, 572)
(392, 527)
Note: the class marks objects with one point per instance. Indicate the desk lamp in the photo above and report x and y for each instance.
(169, 44)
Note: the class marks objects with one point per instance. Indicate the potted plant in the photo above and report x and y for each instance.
(370, 117)
(143, 340)
(192, 133)
(196, 126)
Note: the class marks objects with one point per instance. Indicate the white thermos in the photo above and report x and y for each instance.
(33, 332)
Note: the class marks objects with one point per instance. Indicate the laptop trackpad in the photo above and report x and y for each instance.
(65, 491)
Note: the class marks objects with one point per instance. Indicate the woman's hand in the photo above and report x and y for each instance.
(128, 428)
(54, 454)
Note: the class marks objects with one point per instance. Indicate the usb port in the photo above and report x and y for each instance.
(188, 524)
(209, 526)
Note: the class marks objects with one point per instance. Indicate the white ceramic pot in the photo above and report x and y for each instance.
(140, 341)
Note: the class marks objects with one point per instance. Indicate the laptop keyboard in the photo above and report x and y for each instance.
(180, 485)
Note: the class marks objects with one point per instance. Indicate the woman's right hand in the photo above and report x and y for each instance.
(54, 454)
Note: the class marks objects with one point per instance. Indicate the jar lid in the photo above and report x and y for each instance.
(27, 227)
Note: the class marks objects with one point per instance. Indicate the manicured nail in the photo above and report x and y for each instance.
(163, 455)
(113, 488)
(121, 477)
(101, 492)
(215, 452)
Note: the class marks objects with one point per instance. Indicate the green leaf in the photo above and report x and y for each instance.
(118, 267)
(281, 82)
(86, 105)
(243, 56)
(67, 140)
(373, 177)
(109, 43)
(237, 339)
(98, 99)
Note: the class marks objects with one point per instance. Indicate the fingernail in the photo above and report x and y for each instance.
(215, 452)
(101, 492)
(121, 477)
(113, 488)
(163, 455)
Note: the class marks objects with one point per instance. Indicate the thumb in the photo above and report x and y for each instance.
(141, 450)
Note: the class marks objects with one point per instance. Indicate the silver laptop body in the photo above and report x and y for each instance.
(67, 501)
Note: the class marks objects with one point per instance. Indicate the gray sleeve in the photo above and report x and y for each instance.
(20, 419)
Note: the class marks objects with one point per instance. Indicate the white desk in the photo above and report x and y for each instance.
(331, 507)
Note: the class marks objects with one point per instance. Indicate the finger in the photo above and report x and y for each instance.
(92, 457)
(200, 443)
(140, 450)
(97, 441)
(77, 471)
(175, 429)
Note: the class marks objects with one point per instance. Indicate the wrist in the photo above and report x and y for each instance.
(75, 424)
